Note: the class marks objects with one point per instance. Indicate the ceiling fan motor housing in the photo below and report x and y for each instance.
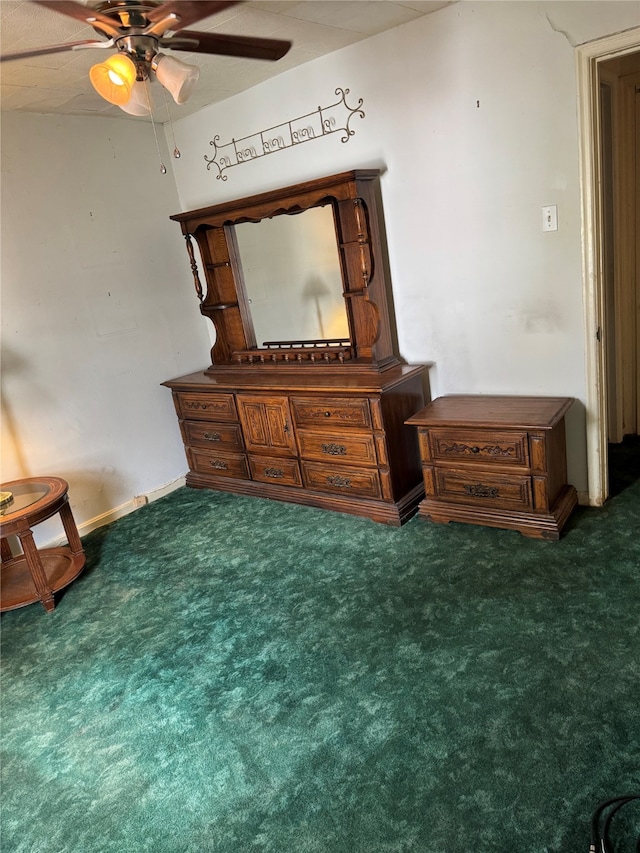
(141, 49)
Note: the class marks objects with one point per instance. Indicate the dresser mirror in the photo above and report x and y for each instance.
(291, 271)
(294, 277)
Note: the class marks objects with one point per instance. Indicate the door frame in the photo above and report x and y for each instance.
(588, 57)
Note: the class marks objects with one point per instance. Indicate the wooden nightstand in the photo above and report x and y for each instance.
(496, 461)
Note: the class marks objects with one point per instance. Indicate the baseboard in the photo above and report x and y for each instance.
(120, 511)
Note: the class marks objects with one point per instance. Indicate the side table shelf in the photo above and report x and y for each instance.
(36, 574)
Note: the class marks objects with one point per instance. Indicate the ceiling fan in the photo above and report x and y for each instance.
(139, 30)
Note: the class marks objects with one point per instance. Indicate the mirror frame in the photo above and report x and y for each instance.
(353, 198)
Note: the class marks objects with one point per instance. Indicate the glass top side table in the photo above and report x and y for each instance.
(36, 574)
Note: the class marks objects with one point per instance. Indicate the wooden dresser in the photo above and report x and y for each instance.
(334, 442)
(498, 461)
(305, 399)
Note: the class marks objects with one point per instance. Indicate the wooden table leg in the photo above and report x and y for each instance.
(70, 528)
(34, 565)
(5, 550)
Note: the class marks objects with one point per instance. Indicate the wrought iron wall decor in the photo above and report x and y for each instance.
(314, 125)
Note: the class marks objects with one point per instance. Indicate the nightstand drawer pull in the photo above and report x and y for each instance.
(212, 436)
(480, 491)
(334, 449)
(495, 450)
(274, 473)
(341, 482)
(219, 464)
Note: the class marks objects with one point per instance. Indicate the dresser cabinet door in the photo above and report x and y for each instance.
(266, 424)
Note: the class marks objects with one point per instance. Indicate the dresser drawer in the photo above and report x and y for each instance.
(341, 479)
(338, 447)
(284, 472)
(207, 407)
(493, 448)
(330, 412)
(483, 488)
(212, 435)
(220, 464)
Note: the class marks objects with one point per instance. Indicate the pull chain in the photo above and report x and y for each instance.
(163, 168)
(176, 150)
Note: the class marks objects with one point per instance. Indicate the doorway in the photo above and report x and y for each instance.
(619, 93)
(608, 76)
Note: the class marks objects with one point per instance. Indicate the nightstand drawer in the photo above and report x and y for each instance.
(208, 407)
(341, 479)
(493, 448)
(283, 472)
(483, 488)
(331, 412)
(212, 435)
(337, 447)
(220, 464)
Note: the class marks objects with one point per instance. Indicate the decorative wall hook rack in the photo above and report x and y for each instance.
(314, 125)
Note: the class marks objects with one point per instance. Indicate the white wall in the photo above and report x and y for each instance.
(98, 308)
(98, 304)
(471, 113)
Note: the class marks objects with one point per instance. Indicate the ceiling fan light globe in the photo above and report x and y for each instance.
(113, 79)
(179, 78)
(140, 103)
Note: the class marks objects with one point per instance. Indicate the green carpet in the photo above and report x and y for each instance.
(233, 674)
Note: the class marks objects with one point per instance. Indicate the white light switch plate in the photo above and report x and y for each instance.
(550, 218)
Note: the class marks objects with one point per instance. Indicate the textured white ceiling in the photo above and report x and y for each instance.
(59, 83)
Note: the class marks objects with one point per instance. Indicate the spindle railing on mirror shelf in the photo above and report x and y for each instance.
(318, 351)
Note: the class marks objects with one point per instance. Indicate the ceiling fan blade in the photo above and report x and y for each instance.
(188, 11)
(56, 48)
(76, 10)
(247, 47)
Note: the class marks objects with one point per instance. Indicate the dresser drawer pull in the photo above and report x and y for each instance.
(219, 464)
(275, 473)
(480, 491)
(475, 450)
(212, 436)
(341, 482)
(189, 405)
(334, 449)
(327, 414)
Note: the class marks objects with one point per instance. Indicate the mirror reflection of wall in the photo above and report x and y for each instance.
(292, 277)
